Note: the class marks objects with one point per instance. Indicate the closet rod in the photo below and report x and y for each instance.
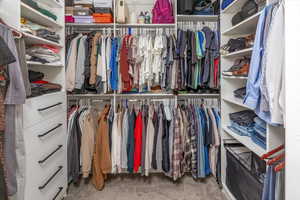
(108, 96)
(201, 18)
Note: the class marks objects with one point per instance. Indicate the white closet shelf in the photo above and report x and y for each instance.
(244, 52)
(234, 7)
(146, 25)
(54, 3)
(248, 26)
(35, 16)
(236, 101)
(235, 77)
(32, 39)
(206, 18)
(246, 141)
(30, 63)
(198, 95)
(89, 25)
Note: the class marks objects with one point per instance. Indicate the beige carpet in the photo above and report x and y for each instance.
(156, 187)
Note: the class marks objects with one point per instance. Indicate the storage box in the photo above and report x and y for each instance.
(82, 11)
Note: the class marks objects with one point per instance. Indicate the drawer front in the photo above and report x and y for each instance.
(44, 107)
(47, 181)
(41, 138)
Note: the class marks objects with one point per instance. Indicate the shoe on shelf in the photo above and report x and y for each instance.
(237, 66)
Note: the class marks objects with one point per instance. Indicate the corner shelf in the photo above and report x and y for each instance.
(246, 141)
(32, 39)
(235, 77)
(247, 26)
(37, 17)
(235, 101)
(244, 52)
(34, 64)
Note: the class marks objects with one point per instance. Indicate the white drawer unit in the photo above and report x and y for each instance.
(45, 141)
(41, 108)
(44, 135)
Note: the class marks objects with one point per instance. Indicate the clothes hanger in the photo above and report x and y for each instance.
(270, 153)
(279, 167)
(276, 159)
(16, 33)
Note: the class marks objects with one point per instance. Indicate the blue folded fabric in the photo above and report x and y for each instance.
(257, 139)
(260, 122)
(226, 3)
(261, 131)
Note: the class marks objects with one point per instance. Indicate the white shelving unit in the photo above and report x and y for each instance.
(39, 18)
(231, 104)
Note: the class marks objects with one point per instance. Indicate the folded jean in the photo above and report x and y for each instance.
(258, 140)
(260, 122)
(244, 118)
(262, 134)
(240, 131)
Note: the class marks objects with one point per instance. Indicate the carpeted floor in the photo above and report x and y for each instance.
(156, 187)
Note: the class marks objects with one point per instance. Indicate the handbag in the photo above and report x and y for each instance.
(163, 12)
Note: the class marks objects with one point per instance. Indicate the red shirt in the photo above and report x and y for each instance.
(138, 138)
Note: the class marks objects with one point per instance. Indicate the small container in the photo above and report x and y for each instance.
(133, 18)
(147, 18)
(141, 18)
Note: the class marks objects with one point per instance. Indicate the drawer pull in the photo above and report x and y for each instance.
(50, 179)
(58, 192)
(48, 107)
(44, 134)
(51, 154)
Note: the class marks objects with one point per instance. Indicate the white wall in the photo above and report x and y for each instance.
(292, 32)
(10, 12)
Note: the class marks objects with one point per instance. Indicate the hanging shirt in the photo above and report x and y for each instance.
(138, 137)
(253, 93)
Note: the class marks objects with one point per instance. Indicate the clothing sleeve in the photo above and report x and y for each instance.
(254, 77)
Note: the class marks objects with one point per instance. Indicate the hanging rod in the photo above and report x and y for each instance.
(204, 18)
(142, 96)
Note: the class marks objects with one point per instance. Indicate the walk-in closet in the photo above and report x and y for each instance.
(149, 99)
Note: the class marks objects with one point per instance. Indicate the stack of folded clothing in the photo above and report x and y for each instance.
(240, 67)
(103, 11)
(45, 10)
(39, 86)
(242, 122)
(44, 54)
(38, 30)
(83, 14)
(69, 12)
(240, 93)
(246, 123)
(260, 133)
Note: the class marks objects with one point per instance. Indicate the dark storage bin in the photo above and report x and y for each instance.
(244, 173)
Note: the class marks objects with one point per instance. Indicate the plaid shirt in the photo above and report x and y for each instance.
(194, 131)
(177, 147)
